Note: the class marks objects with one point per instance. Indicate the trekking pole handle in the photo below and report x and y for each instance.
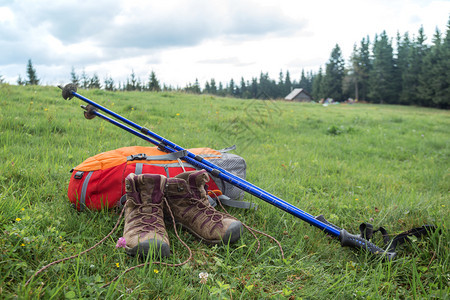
(356, 241)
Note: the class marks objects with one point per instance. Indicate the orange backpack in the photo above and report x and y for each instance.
(98, 182)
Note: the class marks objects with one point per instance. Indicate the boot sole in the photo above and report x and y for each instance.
(232, 235)
(160, 248)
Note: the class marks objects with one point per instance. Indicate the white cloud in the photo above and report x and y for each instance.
(184, 40)
(6, 15)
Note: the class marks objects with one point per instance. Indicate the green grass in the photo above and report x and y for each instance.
(352, 163)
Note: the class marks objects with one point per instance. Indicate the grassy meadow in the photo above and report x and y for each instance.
(387, 165)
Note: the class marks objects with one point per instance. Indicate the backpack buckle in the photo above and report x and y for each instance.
(78, 175)
(140, 156)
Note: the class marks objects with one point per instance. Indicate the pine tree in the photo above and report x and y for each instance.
(408, 81)
(207, 89)
(231, 88)
(139, 86)
(74, 77)
(280, 91)
(446, 66)
(287, 84)
(153, 84)
(267, 88)
(397, 76)
(303, 83)
(20, 81)
(188, 88)
(196, 88)
(167, 88)
(334, 75)
(213, 87)
(353, 75)
(84, 80)
(382, 76)
(131, 84)
(254, 88)
(309, 81)
(434, 78)
(360, 66)
(306, 81)
(109, 83)
(365, 67)
(244, 93)
(220, 90)
(419, 51)
(31, 73)
(94, 82)
(317, 85)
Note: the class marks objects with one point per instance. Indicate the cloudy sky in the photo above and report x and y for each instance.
(204, 39)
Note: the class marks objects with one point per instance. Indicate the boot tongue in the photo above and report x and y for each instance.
(157, 194)
(151, 196)
(198, 179)
(149, 187)
(197, 183)
(135, 197)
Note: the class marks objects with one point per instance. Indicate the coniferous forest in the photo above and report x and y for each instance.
(409, 69)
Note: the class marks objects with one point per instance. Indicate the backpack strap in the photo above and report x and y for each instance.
(122, 200)
(138, 168)
(84, 191)
(237, 203)
(212, 201)
(225, 200)
(228, 149)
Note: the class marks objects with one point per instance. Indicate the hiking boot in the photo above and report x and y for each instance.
(187, 198)
(144, 228)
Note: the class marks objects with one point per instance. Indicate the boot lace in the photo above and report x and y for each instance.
(212, 215)
(149, 219)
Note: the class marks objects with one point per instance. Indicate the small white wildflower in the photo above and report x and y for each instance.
(203, 277)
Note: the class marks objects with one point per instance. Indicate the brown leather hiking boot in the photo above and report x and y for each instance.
(144, 228)
(188, 201)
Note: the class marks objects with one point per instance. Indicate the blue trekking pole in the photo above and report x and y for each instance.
(346, 239)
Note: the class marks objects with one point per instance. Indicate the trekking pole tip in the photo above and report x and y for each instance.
(68, 90)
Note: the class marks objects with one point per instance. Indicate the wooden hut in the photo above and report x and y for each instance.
(299, 95)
